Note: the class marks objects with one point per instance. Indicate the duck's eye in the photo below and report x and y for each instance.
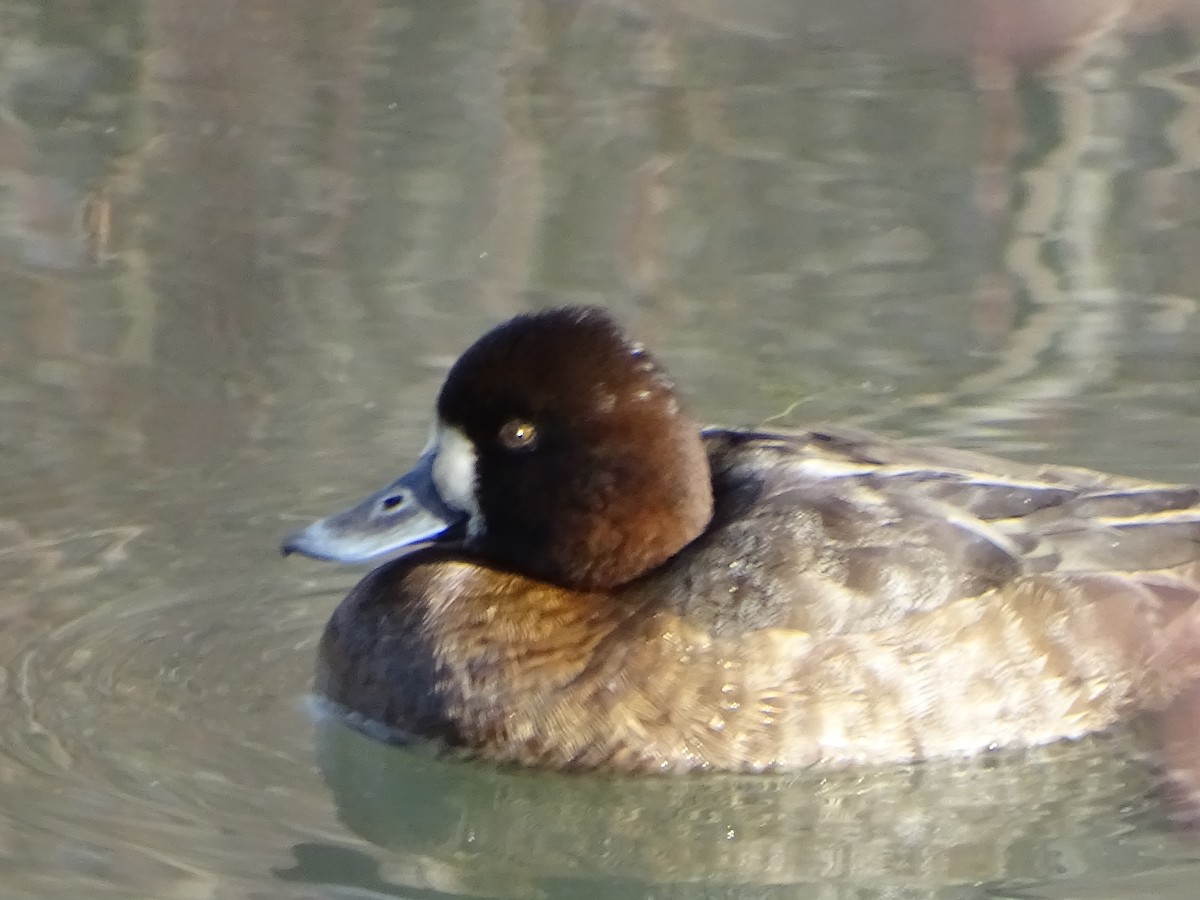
(518, 434)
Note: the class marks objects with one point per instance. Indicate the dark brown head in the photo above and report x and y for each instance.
(563, 448)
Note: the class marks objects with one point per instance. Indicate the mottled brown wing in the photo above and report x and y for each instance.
(839, 531)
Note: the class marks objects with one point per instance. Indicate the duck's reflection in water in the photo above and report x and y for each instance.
(1003, 818)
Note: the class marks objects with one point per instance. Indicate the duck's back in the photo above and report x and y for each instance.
(861, 600)
(839, 531)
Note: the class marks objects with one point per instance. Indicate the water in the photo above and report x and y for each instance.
(241, 241)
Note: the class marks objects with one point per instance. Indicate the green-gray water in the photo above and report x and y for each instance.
(241, 240)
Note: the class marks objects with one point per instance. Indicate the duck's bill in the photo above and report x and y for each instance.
(408, 511)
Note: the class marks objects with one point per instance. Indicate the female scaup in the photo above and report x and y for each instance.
(594, 582)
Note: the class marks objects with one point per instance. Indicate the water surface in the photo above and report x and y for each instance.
(241, 241)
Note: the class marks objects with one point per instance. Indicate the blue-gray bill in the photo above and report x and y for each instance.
(408, 511)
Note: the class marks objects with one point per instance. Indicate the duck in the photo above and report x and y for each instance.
(576, 575)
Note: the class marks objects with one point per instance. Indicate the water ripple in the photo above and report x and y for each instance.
(139, 720)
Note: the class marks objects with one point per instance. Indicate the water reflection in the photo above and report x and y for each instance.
(899, 832)
(240, 241)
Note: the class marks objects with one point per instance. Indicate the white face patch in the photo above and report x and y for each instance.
(454, 473)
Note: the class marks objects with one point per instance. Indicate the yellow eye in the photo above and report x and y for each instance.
(518, 434)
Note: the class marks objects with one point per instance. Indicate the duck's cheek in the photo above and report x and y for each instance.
(454, 473)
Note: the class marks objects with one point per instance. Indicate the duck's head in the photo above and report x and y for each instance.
(560, 450)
